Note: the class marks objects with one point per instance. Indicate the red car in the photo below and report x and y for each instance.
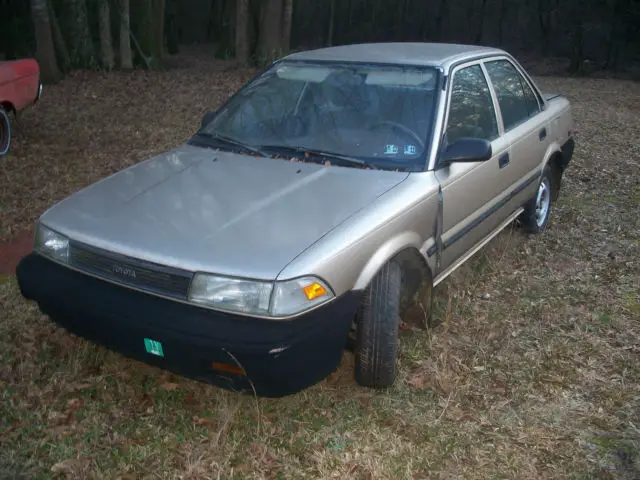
(20, 86)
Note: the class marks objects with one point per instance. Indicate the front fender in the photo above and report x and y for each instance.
(388, 250)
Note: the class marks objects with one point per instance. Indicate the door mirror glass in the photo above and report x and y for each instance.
(466, 150)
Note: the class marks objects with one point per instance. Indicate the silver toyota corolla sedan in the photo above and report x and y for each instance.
(334, 189)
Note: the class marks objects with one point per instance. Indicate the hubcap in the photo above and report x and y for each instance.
(543, 201)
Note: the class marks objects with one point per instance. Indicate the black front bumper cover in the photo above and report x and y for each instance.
(279, 357)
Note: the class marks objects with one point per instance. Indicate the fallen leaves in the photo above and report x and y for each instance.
(71, 467)
(169, 386)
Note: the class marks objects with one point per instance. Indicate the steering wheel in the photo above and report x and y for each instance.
(402, 128)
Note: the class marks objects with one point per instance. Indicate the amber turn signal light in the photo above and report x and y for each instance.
(314, 291)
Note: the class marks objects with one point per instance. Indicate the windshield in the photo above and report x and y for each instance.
(380, 114)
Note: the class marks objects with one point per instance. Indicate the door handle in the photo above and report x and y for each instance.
(503, 161)
(543, 134)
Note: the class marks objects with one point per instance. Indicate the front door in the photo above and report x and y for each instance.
(471, 191)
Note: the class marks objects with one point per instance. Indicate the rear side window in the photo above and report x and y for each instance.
(471, 112)
(516, 99)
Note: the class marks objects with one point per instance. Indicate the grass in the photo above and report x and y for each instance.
(531, 369)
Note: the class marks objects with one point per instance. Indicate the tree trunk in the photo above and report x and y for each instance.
(544, 20)
(171, 27)
(480, 30)
(58, 39)
(287, 17)
(148, 28)
(82, 52)
(503, 14)
(577, 39)
(242, 31)
(126, 62)
(400, 24)
(332, 21)
(270, 38)
(616, 29)
(45, 51)
(442, 13)
(106, 46)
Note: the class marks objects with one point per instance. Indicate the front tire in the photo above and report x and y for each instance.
(536, 211)
(5, 132)
(377, 329)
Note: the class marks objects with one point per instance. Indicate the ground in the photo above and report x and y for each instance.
(531, 371)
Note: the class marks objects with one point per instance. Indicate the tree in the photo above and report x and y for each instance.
(148, 28)
(126, 62)
(45, 51)
(501, 17)
(544, 20)
(577, 37)
(58, 40)
(480, 30)
(332, 21)
(270, 38)
(106, 46)
(171, 27)
(242, 31)
(287, 16)
(82, 51)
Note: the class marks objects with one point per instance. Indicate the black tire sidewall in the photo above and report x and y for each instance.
(377, 340)
(5, 127)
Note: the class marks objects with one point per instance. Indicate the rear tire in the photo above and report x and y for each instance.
(5, 132)
(536, 211)
(377, 329)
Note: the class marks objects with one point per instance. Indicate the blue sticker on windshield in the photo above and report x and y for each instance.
(391, 150)
(410, 150)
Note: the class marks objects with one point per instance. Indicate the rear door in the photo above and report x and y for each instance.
(471, 191)
(524, 127)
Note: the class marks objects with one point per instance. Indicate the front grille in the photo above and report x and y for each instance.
(136, 273)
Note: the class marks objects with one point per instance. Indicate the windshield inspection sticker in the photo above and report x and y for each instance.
(391, 150)
(410, 149)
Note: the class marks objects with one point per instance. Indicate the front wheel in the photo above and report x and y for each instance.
(5, 132)
(377, 329)
(536, 211)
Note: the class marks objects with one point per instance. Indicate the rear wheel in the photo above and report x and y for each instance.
(536, 212)
(378, 322)
(5, 132)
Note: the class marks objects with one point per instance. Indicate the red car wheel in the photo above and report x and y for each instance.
(5, 133)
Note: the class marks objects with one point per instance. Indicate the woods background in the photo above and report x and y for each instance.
(587, 35)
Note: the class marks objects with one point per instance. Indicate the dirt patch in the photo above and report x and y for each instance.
(11, 252)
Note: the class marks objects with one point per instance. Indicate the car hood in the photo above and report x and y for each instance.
(205, 210)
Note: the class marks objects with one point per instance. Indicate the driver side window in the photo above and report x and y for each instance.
(471, 111)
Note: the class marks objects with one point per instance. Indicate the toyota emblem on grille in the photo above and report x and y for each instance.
(124, 271)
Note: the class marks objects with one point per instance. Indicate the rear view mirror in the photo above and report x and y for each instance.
(466, 150)
(207, 118)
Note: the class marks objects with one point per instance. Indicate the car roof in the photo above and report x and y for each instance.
(405, 53)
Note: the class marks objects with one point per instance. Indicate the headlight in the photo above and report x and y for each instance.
(245, 296)
(51, 244)
(279, 299)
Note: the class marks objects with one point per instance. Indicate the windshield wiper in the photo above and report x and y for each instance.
(233, 143)
(320, 153)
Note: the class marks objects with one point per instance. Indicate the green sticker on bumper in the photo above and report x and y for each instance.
(153, 347)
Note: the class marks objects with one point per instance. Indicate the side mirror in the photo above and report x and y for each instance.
(466, 150)
(207, 118)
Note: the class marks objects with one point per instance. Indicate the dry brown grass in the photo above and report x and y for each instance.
(538, 379)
